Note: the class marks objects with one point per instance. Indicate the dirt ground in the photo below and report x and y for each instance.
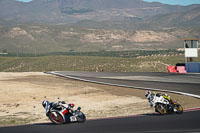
(21, 95)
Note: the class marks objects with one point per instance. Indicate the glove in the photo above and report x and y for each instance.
(63, 102)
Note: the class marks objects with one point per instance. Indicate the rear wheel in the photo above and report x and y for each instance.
(161, 109)
(56, 118)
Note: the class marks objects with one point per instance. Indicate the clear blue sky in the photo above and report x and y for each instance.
(24, 0)
(176, 2)
(173, 2)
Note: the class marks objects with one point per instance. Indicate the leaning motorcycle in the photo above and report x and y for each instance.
(168, 108)
(165, 106)
(63, 114)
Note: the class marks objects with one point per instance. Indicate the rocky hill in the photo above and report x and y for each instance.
(43, 26)
(61, 38)
(68, 11)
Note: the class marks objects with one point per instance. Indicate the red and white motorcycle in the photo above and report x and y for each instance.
(61, 113)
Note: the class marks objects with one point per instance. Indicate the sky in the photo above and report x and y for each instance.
(176, 2)
(24, 0)
(172, 2)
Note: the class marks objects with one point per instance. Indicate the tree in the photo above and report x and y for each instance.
(4, 51)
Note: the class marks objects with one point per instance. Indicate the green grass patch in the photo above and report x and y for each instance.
(89, 63)
(102, 53)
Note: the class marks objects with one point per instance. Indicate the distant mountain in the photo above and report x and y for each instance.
(183, 19)
(179, 19)
(69, 11)
(44, 26)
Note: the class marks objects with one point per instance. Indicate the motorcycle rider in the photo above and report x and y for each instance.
(150, 96)
(159, 99)
(48, 105)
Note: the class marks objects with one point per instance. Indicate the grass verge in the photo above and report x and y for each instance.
(89, 63)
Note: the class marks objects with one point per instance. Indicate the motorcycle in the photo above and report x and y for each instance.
(164, 104)
(64, 113)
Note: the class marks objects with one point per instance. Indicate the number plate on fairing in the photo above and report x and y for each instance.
(73, 118)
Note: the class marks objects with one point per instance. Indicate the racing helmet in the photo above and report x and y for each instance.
(166, 94)
(44, 103)
(147, 93)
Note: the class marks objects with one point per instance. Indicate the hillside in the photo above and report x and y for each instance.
(44, 26)
(181, 19)
(45, 39)
(68, 11)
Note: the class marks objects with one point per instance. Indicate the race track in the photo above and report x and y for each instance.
(187, 84)
(147, 123)
(187, 122)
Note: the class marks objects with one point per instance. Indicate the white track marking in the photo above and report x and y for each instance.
(119, 85)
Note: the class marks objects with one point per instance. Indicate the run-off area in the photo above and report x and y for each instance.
(21, 95)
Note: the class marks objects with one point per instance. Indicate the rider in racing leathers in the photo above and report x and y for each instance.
(48, 105)
(150, 96)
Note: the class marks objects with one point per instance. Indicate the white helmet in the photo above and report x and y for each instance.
(147, 93)
(44, 103)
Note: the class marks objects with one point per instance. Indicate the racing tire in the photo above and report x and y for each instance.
(161, 109)
(179, 109)
(81, 118)
(56, 118)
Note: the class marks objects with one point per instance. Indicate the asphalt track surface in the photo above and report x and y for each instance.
(149, 123)
(188, 122)
(179, 83)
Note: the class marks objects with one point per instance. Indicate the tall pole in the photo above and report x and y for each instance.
(184, 50)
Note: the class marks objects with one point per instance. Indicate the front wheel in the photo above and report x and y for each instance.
(179, 109)
(56, 118)
(81, 118)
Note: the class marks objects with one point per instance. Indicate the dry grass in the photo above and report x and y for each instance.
(89, 63)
